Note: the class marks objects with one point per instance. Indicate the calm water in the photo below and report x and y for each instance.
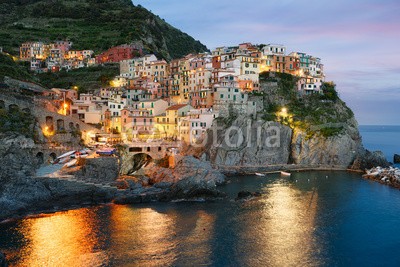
(309, 219)
(384, 138)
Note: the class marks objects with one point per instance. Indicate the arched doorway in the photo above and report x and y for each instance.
(13, 108)
(39, 158)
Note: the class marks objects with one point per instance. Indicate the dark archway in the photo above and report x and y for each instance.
(60, 125)
(39, 158)
(71, 126)
(13, 108)
(52, 157)
(49, 123)
(77, 126)
(136, 163)
(2, 104)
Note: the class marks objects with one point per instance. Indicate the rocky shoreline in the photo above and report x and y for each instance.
(189, 179)
(388, 176)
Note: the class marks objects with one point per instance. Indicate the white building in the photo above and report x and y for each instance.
(274, 49)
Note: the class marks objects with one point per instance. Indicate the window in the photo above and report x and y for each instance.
(221, 96)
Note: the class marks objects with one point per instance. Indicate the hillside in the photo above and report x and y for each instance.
(85, 78)
(91, 24)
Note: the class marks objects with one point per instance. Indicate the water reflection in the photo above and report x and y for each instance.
(309, 219)
(284, 228)
(148, 237)
(68, 239)
(143, 235)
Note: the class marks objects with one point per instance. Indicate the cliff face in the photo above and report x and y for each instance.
(339, 150)
(17, 161)
(250, 143)
(272, 143)
(315, 130)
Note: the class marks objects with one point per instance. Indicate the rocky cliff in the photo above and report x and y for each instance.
(245, 142)
(289, 128)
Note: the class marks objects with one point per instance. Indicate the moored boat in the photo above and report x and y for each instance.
(70, 163)
(260, 174)
(285, 173)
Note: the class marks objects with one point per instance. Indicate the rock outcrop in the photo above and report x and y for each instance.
(366, 160)
(396, 159)
(99, 170)
(191, 178)
(17, 160)
(389, 176)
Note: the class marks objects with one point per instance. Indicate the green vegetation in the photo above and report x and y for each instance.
(17, 121)
(91, 24)
(17, 70)
(85, 78)
(323, 114)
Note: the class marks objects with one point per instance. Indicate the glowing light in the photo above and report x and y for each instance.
(47, 132)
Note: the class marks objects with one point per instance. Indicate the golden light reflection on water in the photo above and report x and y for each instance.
(285, 229)
(67, 239)
(153, 238)
(144, 235)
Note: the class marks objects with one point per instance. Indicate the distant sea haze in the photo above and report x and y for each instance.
(385, 138)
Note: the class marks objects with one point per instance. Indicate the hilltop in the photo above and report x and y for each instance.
(91, 24)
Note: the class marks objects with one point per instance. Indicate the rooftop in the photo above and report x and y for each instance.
(176, 107)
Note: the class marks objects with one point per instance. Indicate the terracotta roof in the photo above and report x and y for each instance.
(176, 107)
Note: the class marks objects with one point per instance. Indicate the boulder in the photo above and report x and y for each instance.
(367, 160)
(396, 158)
(99, 170)
(191, 178)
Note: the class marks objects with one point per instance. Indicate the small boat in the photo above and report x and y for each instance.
(70, 163)
(285, 173)
(67, 154)
(106, 151)
(260, 174)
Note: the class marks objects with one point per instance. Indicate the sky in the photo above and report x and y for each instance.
(357, 40)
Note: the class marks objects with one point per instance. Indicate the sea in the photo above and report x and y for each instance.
(318, 218)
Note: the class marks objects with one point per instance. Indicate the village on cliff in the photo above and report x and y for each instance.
(155, 99)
